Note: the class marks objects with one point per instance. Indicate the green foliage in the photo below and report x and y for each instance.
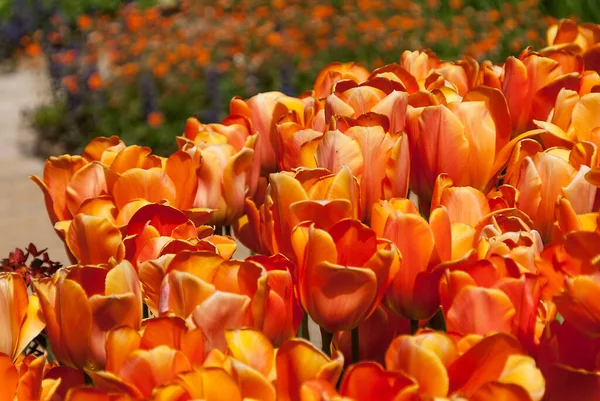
(584, 10)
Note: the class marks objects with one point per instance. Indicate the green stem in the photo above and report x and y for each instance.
(326, 338)
(304, 328)
(414, 326)
(438, 322)
(355, 345)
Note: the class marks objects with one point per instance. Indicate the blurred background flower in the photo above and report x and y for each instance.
(140, 68)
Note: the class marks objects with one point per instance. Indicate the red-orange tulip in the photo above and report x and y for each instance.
(343, 272)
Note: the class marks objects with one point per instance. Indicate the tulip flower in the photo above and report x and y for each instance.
(298, 362)
(93, 240)
(25, 381)
(573, 119)
(353, 100)
(363, 380)
(541, 177)
(216, 295)
(433, 361)
(21, 319)
(581, 39)
(295, 132)
(343, 272)
(164, 346)
(309, 194)
(263, 111)
(156, 230)
(276, 308)
(227, 164)
(336, 72)
(479, 152)
(104, 299)
(413, 292)
(532, 83)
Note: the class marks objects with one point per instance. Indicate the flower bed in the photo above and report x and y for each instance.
(437, 220)
(142, 72)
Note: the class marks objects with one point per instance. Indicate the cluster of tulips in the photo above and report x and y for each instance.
(437, 220)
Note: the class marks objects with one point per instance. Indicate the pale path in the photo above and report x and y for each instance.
(23, 217)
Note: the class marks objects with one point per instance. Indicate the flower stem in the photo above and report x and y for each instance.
(304, 328)
(355, 345)
(228, 231)
(414, 326)
(326, 338)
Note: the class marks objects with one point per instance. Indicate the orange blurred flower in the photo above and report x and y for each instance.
(155, 119)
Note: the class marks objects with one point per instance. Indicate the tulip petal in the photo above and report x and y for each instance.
(419, 363)
(10, 378)
(478, 310)
(252, 348)
(152, 185)
(298, 361)
(75, 323)
(482, 363)
(219, 312)
(368, 381)
(93, 240)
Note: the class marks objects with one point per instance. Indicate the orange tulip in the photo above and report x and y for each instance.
(580, 39)
(295, 132)
(413, 292)
(156, 230)
(309, 194)
(276, 308)
(263, 111)
(298, 362)
(343, 272)
(573, 119)
(541, 178)
(245, 372)
(433, 361)
(205, 290)
(367, 381)
(94, 240)
(531, 85)
(25, 381)
(480, 153)
(165, 347)
(380, 161)
(352, 100)
(226, 163)
(576, 37)
(105, 299)
(21, 318)
(580, 260)
(335, 72)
